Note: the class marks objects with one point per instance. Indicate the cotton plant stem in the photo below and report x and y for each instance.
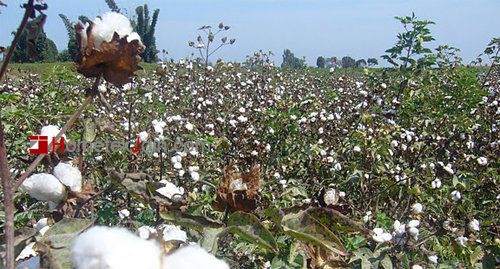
(66, 127)
(8, 193)
(8, 201)
(29, 10)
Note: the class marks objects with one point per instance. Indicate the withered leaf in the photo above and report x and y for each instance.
(241, 198)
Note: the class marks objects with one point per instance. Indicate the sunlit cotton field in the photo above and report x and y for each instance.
(117, 157)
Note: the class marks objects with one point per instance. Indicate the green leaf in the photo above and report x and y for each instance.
(197, 223)
(89, 131)
(210, 239)
(22, 237)
(304, 227)
(477, 255)
(249, 228)
(56, 242)
(386, 262)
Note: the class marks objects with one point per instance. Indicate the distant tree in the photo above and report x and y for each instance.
(320, 62)
(64, 56)
(372, 62)
(44, 50)
(113, 6)
(73, 49)
(332, 62)
(290, 61)
(361, 63)
(348, 62)
(146, 31)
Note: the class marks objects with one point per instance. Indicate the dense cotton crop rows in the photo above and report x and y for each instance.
(413, 160)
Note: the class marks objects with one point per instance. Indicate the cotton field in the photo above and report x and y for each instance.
(211, 164)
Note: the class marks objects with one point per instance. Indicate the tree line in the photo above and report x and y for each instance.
(43, 49)
(291, 61)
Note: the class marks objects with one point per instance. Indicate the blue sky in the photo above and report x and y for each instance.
(310, 28)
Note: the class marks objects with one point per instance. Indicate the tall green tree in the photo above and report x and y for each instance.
(73, 49)
(361, 63)
(320, 62)
(348, 62)
(113, 6)
(372, 62)
(290, 61)
(45, 50)
(145, 27)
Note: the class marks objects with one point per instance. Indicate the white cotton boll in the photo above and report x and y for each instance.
(337, 166)
(145, 232)
(195, 176)
(102, 88)
(433, 259)
(357, 149)
(413, 223)
(192, 257)
(176, 159)
(474, 225)
(172, 232)
(416, 266)
(42, 226)
(50, 131)
(134, 36)
(417, 208)
(436, 183)
(170, 190)
(189, 126)
(399, 228)
(462, 241)
(380, 236)
(482, 161)
(124, 213)
(330, 197)
(114, 248)
(69, 176)
(44, 187)
(367, 216)
(456, 195)
(414, 232)
(237, 185)
(177, 166)
(194, 168)
(143, 136)
(105, 27)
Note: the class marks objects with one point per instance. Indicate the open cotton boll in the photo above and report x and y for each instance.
(44, 187)
(114, 248)
(69, 176)
(105, 27)
(192, 257)
(170, 190)
(172, 232)
(42, 225)
(50, 131)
